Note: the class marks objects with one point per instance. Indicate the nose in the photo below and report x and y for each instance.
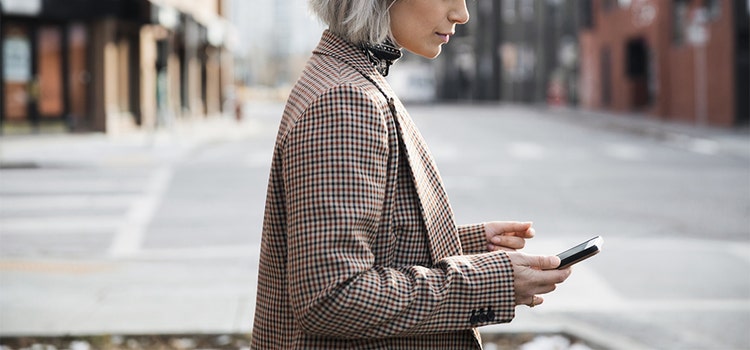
(460, 14)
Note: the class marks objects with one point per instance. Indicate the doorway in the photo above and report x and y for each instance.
(33, 76)
(639, 73)
(606, 77)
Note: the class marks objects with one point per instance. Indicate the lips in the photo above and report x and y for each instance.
(444, 37)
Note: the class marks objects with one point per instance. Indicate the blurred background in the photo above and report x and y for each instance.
(136, 140)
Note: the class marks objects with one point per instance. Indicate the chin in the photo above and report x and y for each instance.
(429, 54)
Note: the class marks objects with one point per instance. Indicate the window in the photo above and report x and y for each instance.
(679, 21)
(527, 10)
(713, 8)
(587, 17)
(509, 11)
(50, 71)
(609, 5)
(79, 75)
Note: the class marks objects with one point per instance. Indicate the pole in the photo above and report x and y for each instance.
(698, 36)
(701, 90)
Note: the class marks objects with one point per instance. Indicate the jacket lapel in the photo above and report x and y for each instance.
(436, 210)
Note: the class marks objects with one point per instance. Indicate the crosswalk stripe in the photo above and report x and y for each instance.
(130, 235)
(70, 201)
(59, 224)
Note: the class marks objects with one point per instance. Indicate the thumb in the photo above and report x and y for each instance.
(544, 262)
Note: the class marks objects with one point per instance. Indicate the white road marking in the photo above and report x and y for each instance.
(129, 236)
(527, 150)
(624, 151)
(59, 224)
(61, 202)
(704, 146)
(251, 251)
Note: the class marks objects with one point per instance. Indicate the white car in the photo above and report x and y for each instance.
(413, 81)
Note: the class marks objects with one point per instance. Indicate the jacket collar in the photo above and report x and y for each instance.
(353, 55)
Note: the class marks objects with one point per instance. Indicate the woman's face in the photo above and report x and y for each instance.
(423, 26)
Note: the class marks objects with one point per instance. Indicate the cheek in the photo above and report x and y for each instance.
(409, 32)
(400, 31)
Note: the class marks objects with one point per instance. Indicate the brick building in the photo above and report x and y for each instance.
(683, 60)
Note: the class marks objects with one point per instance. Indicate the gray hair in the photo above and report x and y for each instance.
(357, 21)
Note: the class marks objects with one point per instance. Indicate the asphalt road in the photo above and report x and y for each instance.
(674, 210)
(160, 234)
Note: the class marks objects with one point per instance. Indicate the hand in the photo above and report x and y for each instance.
(535, 274)
(507, 235)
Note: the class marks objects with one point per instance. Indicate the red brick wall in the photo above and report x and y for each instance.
(673, 66)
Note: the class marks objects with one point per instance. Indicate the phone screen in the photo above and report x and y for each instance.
(580, 252)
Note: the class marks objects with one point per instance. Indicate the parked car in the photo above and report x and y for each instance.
(413, 81)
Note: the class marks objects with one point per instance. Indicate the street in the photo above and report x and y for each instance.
(161, 235)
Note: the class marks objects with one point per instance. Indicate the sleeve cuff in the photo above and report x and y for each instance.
(473, 239)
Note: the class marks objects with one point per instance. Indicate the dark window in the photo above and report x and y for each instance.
(606, 71)
(679, 21)
(587, 16)
(637, 65)
(637, 58)
(610, 5)
(713, 9)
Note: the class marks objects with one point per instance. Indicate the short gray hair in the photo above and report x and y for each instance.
(357, 21)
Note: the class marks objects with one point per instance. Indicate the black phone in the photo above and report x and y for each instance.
(580, 252)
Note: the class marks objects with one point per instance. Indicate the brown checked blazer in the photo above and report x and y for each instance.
(360, 249)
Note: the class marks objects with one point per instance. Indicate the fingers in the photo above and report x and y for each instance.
(543, 262)
(545, 281)
(520, 229)
(534, 282)
(508, 235)
(506, 243)
(515, 228)
(538, 262)
(535, 300)
(534, 275)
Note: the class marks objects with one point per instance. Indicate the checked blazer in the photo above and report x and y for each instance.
(360, 249)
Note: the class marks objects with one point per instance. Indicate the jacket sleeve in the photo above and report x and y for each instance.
(335, 169)
(473, 239)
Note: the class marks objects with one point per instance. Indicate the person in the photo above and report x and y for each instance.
(360, 249)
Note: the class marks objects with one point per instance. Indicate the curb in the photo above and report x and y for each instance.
(732, 141)
(130, 342)
(527, 340)
(141, 147)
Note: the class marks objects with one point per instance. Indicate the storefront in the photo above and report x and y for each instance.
(109, 66)
(47, 61)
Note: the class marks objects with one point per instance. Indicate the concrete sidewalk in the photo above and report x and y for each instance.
(733, 141)
(135, 147)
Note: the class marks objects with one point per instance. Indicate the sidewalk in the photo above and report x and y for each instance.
(137, 147)
(709, 140)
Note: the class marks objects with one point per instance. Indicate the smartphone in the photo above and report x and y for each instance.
(580, 252)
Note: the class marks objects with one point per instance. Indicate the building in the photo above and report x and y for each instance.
(682, 60)
(111, 65)
(515, 51)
